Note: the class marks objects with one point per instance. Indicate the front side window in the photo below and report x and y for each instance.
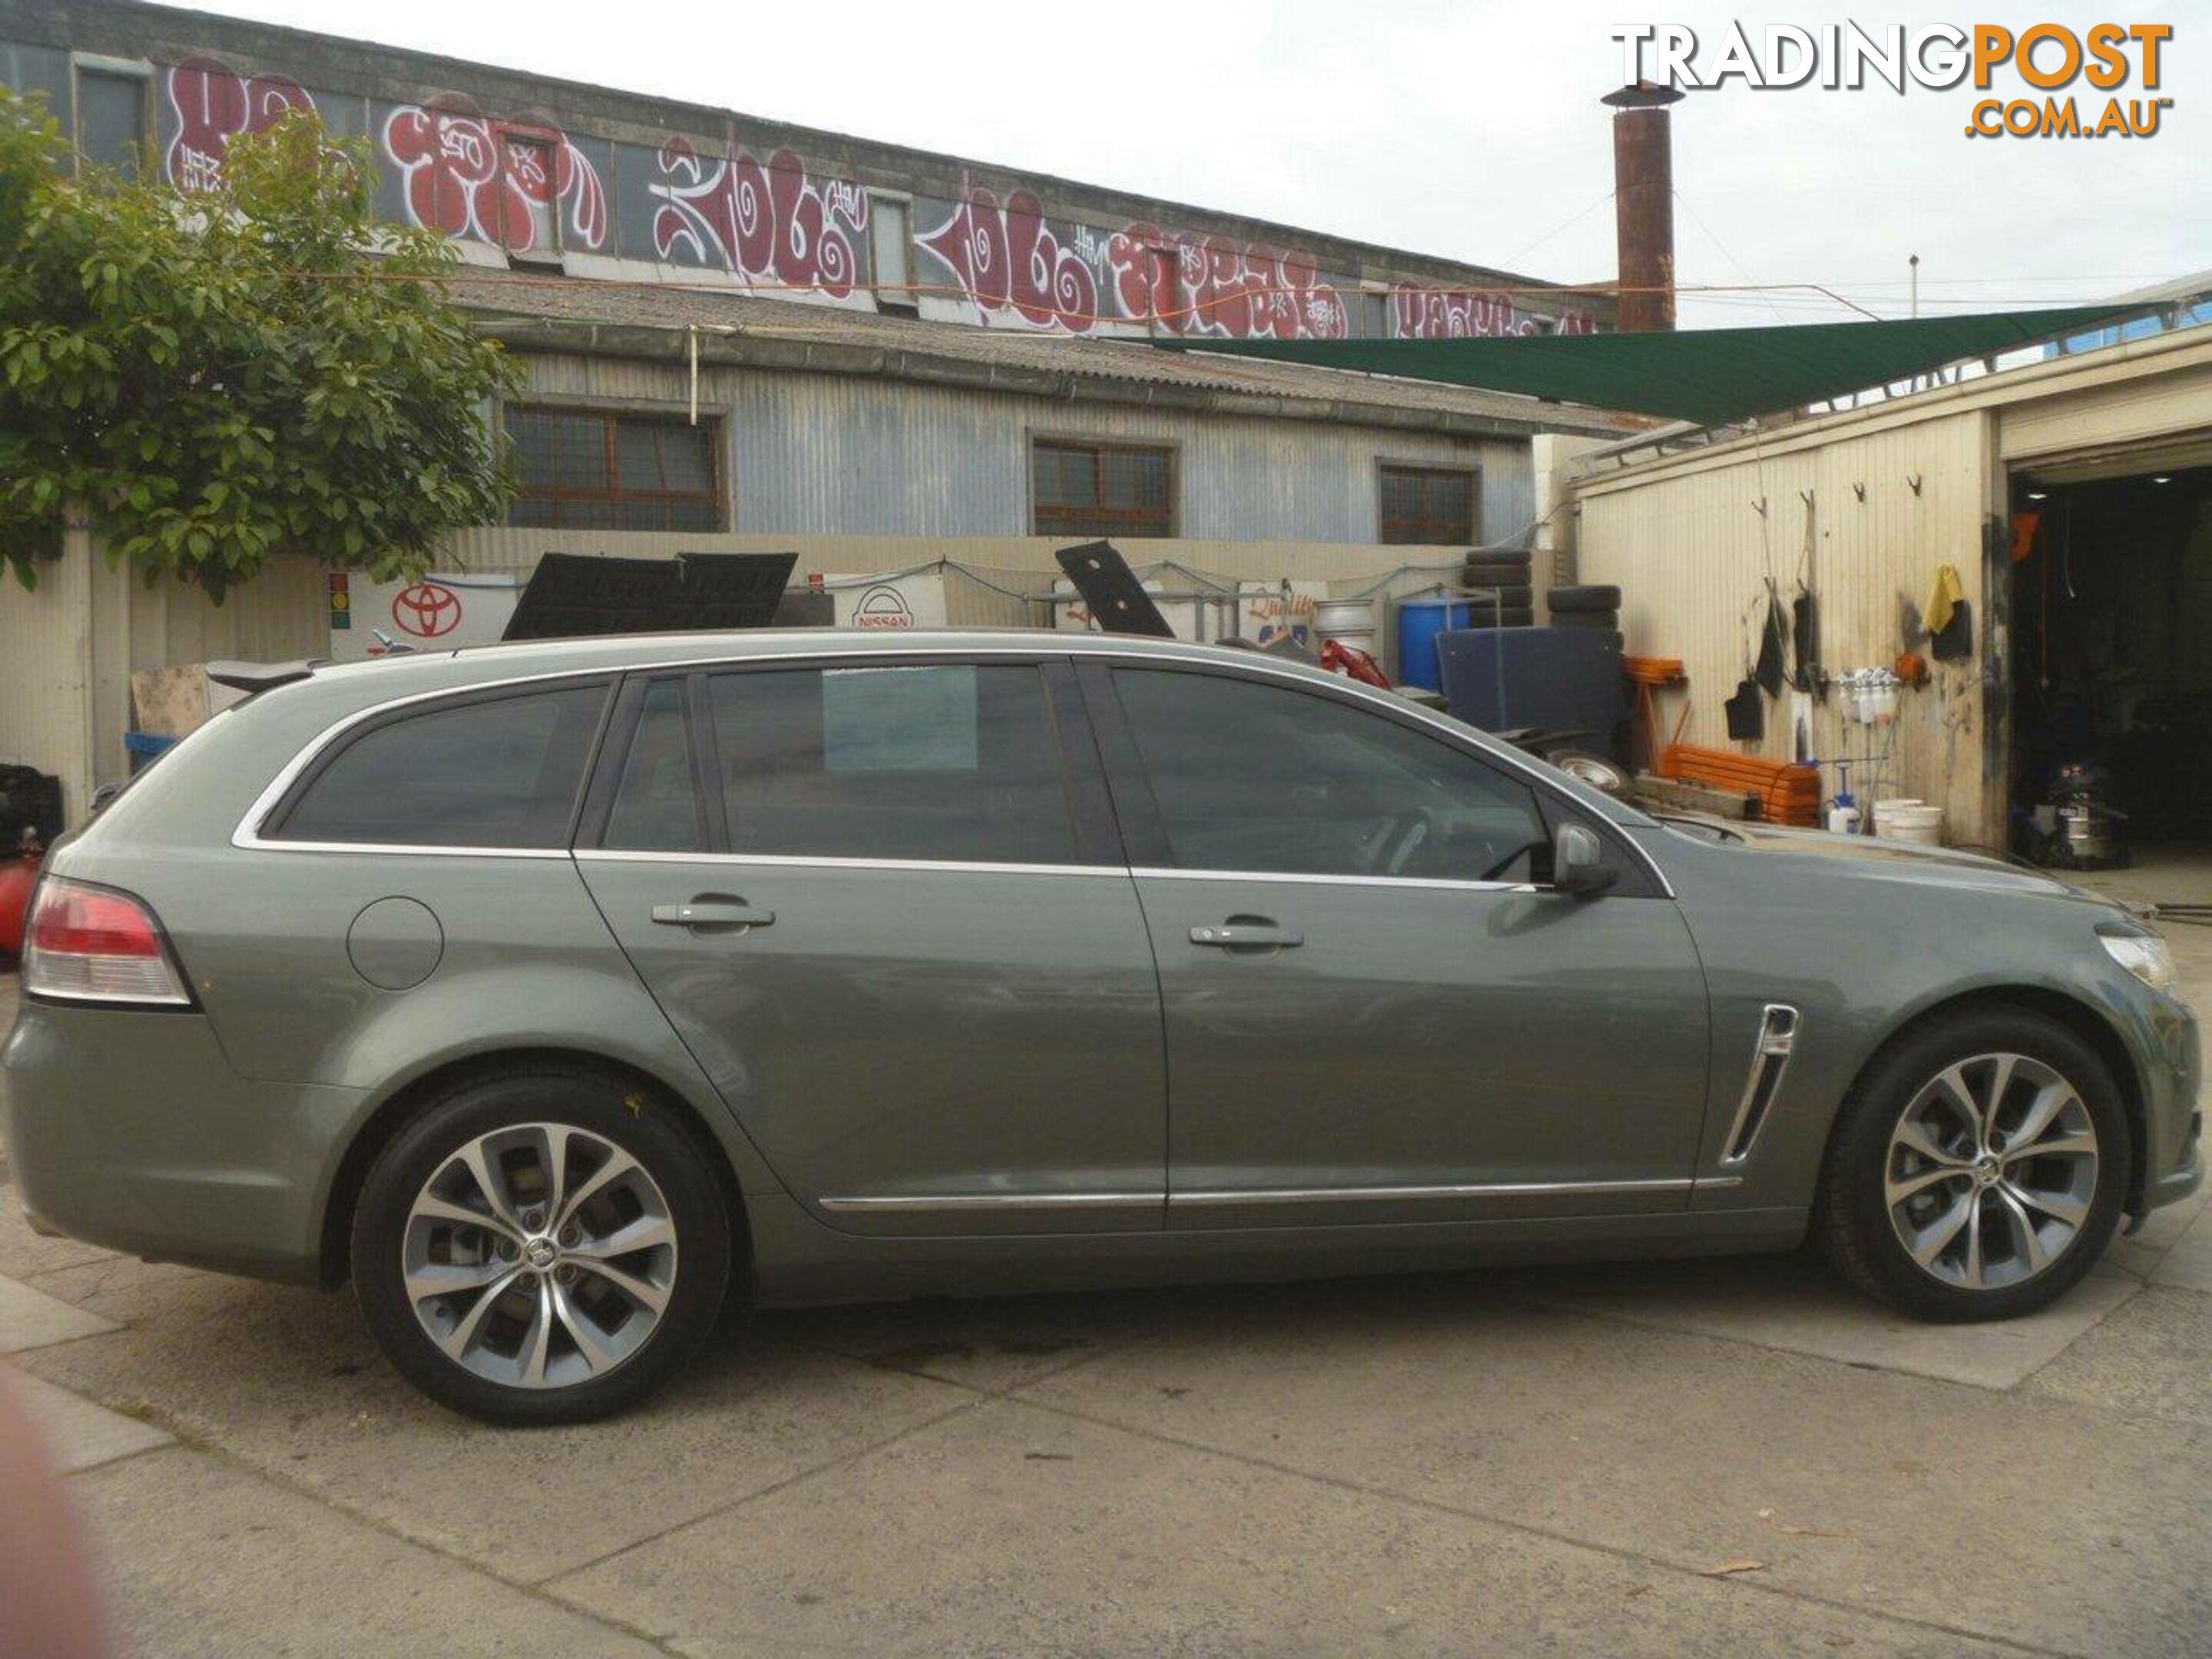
(584, 469)
(1101, 489)
(501, 773)
(1260, 778)
(952, 762)
(1428, 505)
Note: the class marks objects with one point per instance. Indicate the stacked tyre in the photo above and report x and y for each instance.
(1505, 598)
(1585, 607)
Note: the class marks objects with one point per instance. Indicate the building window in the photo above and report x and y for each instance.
(110, 118)
(1101, 489)
(891, 236)
(582, 469)
(1430, 505)
(533, 230)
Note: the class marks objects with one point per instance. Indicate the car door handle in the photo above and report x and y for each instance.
(713, 913)
(1247, 935)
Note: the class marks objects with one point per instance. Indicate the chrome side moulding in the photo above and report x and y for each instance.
(848, 1204)
(957, 1202)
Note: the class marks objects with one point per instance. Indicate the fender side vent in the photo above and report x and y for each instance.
(1770, 1057)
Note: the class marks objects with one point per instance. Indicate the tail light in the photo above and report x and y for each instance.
(86, 944)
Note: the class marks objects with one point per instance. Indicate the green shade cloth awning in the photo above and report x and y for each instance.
(1710, 376)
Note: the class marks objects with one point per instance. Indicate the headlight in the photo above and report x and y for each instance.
(2143, 955)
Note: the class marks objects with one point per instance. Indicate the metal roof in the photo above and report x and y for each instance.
(659, 321)
(1710, 376)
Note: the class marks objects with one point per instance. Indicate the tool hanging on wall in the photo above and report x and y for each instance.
(1805, 619)
(1746, 714)
(1773, 644)
(1950, 620)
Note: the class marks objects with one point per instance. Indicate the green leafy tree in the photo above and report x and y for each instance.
(214, 378)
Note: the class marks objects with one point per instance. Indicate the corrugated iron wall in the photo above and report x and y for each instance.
(846, 455)
(68, 650)
(1691, 551)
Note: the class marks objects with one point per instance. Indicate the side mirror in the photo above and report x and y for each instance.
(1578, 865)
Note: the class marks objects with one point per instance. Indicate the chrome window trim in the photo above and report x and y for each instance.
(1154, 873)
(808, 862)
(1105, 647)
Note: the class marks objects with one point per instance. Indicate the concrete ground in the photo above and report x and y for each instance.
(1664, 1459)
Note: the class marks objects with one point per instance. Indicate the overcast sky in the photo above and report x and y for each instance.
(1470, 130)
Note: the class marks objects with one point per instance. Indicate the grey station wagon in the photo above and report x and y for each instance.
(558, 995)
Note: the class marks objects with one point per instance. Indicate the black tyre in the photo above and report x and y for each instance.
(1978, 1170)
(541, 1247)
(1601, 598)
(1608, 620)
(1497, 565)
(1510, 616)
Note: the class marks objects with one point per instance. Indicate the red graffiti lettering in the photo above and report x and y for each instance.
(1008, 259)
(468, 178)
(1435, 313)
(769, 221)
(213, 104)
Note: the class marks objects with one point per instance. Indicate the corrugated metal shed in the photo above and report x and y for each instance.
(649, 321)
(828, 455)
(1883, 495)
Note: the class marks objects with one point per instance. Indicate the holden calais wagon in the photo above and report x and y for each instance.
(558, 995)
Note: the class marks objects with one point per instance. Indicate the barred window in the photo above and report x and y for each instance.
(581, 469)
(1430, 505)
(1101, 489)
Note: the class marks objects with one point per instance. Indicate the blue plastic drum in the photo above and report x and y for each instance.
(1420, 621)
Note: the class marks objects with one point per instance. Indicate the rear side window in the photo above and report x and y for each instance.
(656, 804)
(953, 763)
(499, 773)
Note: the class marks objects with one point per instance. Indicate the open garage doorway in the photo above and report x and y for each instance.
(2110, 648)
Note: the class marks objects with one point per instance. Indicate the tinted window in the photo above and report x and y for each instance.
(1261, 778)
(951, 762)
(656, 808)
(498, 774)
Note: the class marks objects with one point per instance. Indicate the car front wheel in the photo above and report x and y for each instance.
(541, 1248)
(1978, 1171)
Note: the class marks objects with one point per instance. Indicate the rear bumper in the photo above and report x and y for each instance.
(130, 1129)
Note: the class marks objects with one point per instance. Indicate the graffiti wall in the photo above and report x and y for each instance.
(769, 223)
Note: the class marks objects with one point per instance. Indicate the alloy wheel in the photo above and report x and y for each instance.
(1991, 1171)
(540, 1256)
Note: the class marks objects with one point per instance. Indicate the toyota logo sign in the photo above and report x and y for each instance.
(426, 611)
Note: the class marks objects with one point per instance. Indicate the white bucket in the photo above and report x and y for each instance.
(1909, 820)
(1349, 622)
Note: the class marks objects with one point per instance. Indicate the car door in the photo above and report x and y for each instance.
(1375, 1009)
(881, 899)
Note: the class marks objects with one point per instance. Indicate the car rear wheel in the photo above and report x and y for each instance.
(541, 1248)
(1980, 1169)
